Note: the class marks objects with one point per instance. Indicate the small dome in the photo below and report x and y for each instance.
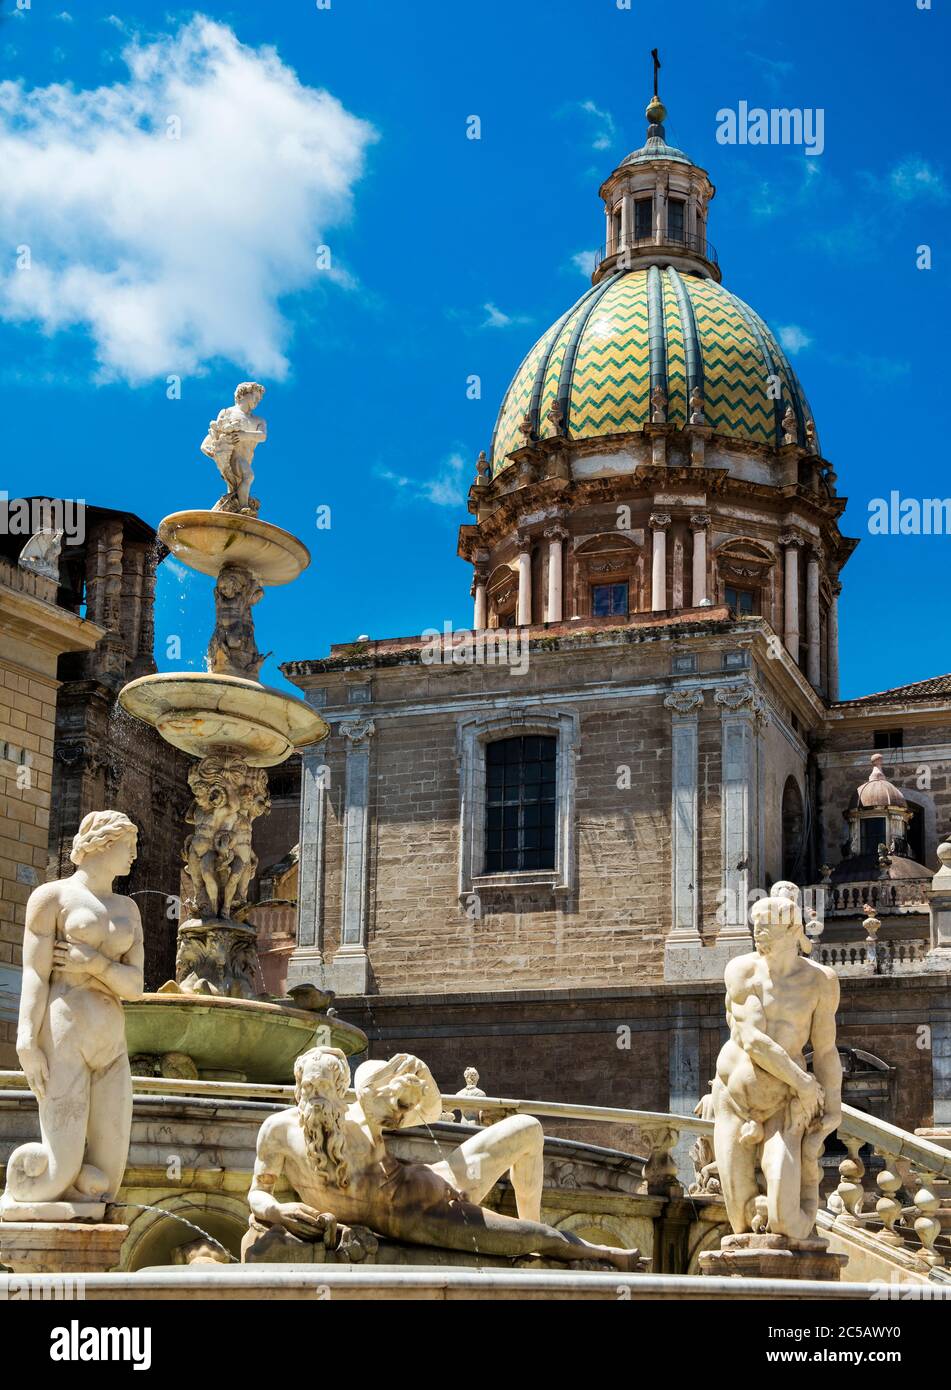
(640, 328)
(877, 794)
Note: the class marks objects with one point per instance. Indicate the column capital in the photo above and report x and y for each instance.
(556, 532)
(738, 697)
(523, 544)
(659, 521)
(479, 580)
(699, 521)
(684, 701)
(357, 731)
(817, 554)
(789, 538)
(836, 588)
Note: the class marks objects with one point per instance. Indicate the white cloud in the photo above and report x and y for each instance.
(496, 318)
(793, 338)
(174, 252)
(916, 178)
(445, 488)
(605, 128)
(584, 262)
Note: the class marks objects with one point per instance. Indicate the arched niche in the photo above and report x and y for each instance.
(793, 828)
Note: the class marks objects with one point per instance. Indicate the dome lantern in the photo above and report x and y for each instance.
(655, 206)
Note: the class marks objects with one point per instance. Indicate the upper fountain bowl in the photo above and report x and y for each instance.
(207, 540)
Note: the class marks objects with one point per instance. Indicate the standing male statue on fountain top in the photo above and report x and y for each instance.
(769, 1111)
(231, 441)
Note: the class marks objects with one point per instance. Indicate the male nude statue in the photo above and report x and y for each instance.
(769, 1112)
(335, 1158)
(82, 955)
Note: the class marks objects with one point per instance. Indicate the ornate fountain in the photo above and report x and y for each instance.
(212, 1020)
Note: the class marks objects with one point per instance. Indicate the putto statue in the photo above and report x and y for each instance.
(231, 441)
(82, 955)
(335, 1158)
(769, 1112)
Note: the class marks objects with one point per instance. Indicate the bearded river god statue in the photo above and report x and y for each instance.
(335, 1158)
(82, 955)
(771, 1115)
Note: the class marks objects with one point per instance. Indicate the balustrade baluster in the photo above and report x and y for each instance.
(888, 1208)
(850, 1192)
(928, 1223)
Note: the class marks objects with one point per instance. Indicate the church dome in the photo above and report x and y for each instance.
(591, 374)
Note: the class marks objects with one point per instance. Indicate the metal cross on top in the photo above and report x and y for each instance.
(656, 68)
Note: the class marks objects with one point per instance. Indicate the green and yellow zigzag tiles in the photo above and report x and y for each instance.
(610, 385)
(676, 357)
(517, 402)
(736, 383)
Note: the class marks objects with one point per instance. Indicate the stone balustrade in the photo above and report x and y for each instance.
(886, 896)
(881, 958)
(908, 1207)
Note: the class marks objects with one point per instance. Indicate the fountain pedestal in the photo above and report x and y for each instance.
(60, 1247)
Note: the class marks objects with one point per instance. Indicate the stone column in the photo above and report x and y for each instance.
(813, 666)
(609, 246)
(791, 594)
(478, 593)
(555, 535)
(306, 965)
(523, 615)
(698, 525)
(659, 522)
(627, 231)
(832, 637)
(743, 715)
(351, 963)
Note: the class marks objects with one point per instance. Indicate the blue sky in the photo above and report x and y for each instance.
(195, 257)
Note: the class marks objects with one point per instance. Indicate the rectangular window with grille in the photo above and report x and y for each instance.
(609, 600)
(643, 218)
(520, 804)
(742, 601)
(675, 219)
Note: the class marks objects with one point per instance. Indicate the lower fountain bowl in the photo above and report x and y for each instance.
(228, 1039)
(202, 713)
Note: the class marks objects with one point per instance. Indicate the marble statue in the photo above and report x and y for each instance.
(658, 406)
(232, 650)
(219, 860)
(231, 441)
(769, 1112)
(697, 416)
(790, 426)
(41, 554)
(82, 955)
(335, 1157)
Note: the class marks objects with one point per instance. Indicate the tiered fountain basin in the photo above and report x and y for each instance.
(203, 713)
(231, 1039)
(208, 540)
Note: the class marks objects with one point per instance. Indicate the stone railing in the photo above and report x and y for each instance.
(911, 1207)
(886, 896)
(878, 958)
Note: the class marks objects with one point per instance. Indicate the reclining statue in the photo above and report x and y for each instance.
(770, 1113)
(335, 1158)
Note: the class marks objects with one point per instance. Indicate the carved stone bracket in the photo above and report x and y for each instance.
(357, 730)
(684, 701)
(736, 697)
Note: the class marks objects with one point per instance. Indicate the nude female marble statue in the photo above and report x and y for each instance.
(82, 955)
(769, 1111)
(334, 1157)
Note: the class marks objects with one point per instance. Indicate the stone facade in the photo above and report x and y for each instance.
(34, 632)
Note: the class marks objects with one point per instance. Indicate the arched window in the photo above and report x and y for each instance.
(793, 831)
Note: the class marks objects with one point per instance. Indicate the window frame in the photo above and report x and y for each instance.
(474, 733)
(610, 584)
(520, 803)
